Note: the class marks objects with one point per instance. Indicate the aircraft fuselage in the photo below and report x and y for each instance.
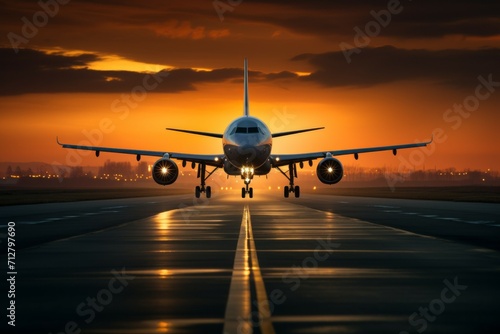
(247, 143)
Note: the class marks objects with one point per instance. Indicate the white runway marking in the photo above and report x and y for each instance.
(238, 316)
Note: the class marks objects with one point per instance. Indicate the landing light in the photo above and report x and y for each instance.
(330, 169)
(164, 170)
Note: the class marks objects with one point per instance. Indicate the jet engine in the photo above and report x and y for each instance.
(165, 172)
(329, 171)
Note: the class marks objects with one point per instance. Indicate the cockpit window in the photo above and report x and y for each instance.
(252, 129)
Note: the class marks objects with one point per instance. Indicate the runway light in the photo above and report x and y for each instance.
(163, 273)
(163, 327)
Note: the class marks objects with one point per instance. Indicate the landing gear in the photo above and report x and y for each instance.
(202, 171)
(247, 175)
(291, 174)
(248, 191)
(287, 190)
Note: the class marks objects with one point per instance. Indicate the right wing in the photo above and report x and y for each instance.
(215, 160)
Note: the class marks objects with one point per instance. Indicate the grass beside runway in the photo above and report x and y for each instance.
(482, 194)
(37, 196)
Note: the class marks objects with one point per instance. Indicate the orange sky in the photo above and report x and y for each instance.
(68, 78)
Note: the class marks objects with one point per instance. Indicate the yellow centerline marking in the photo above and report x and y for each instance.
(266, 326)
(238, 316)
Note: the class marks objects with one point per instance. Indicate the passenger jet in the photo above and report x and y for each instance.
(247, 151)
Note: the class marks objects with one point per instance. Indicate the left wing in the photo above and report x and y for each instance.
(285, 159)
(215, 160)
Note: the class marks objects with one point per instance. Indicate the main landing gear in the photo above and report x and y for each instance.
(202, 171)
(291, 174)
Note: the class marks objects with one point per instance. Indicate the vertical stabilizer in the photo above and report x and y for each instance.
(245, 87)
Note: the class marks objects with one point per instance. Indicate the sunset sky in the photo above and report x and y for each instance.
(116, 73)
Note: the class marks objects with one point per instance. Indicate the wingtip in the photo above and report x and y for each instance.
(57, 140)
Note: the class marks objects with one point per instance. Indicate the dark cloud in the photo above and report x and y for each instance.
(31, 71)
(372, 66)
(417, 19)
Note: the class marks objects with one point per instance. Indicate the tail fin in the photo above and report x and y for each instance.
(245, 87)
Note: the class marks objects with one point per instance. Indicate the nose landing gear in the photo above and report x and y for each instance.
(246, 190)
(247, 175)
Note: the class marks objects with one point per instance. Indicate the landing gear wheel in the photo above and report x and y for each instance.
(208, 191)
(243, 192)
(297, 191)
(250, 192)
(197, 191)
(286, 191)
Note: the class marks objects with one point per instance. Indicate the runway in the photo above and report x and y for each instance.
(318, 264)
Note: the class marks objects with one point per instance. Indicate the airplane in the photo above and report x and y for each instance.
(247, 152)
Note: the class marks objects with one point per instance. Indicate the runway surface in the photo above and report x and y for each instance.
(318, 264)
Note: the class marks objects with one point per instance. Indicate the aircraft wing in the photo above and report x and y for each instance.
(215, 160)
(285, 159)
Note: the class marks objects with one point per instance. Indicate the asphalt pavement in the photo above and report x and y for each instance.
(318, 264)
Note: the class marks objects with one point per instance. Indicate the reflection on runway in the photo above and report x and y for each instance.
(259, 266)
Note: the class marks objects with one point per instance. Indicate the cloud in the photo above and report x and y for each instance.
(418, 19)
(32, 71)
(372, 66)
(184, 29)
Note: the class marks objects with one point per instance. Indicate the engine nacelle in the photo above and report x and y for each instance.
(330, 171)
(165, 172)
